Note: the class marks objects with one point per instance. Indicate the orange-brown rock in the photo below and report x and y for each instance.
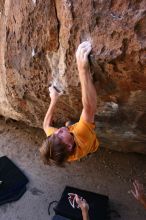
(38, 40)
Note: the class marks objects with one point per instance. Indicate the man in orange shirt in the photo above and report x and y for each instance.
(76, 141)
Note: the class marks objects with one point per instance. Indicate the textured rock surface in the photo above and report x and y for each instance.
(38, 40)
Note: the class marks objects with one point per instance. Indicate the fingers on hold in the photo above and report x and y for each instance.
(83, 48)
(87, 53)
(86, 49)
(84, 45)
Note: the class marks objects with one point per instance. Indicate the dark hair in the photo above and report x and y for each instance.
(54, 151)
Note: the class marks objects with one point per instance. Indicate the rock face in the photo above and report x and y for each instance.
(38, 40)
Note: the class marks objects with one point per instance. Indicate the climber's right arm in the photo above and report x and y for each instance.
(89, 96)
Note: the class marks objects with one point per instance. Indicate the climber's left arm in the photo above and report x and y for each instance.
(54, 95)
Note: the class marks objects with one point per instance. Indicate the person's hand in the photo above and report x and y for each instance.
(82, 204)
(82, 56)
(54, 94)
(138, 191)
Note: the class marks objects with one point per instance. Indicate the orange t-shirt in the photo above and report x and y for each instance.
(85, 138)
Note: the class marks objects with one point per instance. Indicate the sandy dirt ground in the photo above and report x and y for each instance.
(106, 172)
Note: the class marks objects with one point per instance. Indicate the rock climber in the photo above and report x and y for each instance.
(71, 143)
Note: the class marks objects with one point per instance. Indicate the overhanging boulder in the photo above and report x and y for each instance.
(38, 44)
